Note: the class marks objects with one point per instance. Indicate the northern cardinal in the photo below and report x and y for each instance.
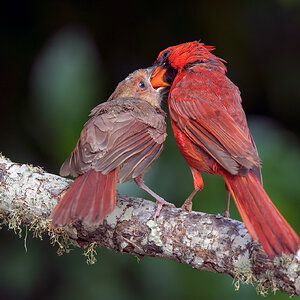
(212, 134)
(120, 141)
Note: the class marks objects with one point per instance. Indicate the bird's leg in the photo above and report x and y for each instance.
(198, 183)
(226, 211)
(159, 200)
(187, 205)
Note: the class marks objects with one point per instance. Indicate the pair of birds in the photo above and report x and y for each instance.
(125, 135)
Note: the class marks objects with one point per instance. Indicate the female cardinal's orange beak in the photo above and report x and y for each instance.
(157, 78)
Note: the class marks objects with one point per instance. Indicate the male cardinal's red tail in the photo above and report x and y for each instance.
(90, 198)
(262, 219)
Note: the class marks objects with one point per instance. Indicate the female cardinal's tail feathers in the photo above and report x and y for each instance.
(262, 219)
(90, 198)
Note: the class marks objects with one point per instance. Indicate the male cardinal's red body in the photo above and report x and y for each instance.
(212, 134)
(119, 143)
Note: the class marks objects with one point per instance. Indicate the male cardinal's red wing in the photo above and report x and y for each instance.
(256, 169)
(203, 115)
(108, 140)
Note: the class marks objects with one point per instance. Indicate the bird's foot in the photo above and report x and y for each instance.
(160, 202)
(187, 205)
(226, 213)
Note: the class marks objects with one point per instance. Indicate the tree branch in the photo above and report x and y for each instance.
(205, 242)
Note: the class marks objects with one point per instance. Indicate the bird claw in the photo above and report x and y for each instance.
(187, 205)
(160, 203)
(226, 214)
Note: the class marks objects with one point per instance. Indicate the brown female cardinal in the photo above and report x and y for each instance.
(120, 141)
(212, 134)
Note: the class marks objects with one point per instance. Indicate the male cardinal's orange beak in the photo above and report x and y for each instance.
(157, 78)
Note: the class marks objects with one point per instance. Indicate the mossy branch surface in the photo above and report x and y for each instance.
(205, 242)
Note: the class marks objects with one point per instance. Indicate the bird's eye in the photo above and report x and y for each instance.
(142, 84)
(166, 53)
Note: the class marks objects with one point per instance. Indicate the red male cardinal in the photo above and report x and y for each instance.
(212, 134)
(122, 139)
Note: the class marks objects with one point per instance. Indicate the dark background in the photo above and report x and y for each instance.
(59, 59)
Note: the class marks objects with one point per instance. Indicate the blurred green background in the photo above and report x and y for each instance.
(59, 59)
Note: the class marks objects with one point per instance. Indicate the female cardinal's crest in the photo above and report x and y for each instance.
(185, 55)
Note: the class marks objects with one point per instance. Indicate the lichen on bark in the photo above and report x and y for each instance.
(205, 242)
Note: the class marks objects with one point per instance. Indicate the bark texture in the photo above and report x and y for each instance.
(205, 242)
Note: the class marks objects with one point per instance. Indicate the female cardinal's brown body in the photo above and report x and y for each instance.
(212, 134)
(122, 139)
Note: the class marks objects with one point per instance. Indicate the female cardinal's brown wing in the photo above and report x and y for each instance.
(117, 138)
(208, 110)
(135, 155)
